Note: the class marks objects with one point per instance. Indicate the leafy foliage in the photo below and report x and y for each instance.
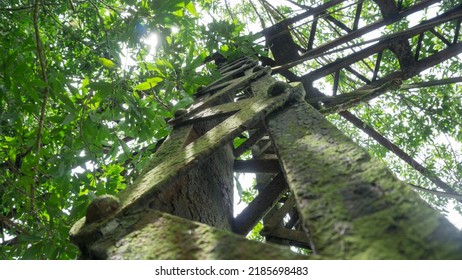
(115, 70)
(111, 91)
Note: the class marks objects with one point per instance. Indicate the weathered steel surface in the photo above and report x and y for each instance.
(351, 205)
(151, 234)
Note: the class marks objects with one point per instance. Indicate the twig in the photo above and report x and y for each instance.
(438, 193)
(46, 91)
(262, 22)
(24, 8)
(10, 242)
(157, 98)
(263, 3)
(109, 7)
(101, 22)
(8, 224)
(16, 9)
(229, 10)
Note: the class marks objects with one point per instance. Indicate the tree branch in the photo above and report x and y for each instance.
(229, 10)
(46, 91)
(8, 224)
(438, 193)
(262, 22)
(30, 7)
(16, 9)
(10, 242)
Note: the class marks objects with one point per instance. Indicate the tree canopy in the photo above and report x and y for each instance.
(86, 89)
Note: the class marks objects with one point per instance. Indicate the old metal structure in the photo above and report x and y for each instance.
(316, 188)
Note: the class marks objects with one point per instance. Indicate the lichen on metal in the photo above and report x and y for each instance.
(352, 206)
(154, 235)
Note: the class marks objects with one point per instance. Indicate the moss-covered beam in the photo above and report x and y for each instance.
(151, 234)
(352, 206)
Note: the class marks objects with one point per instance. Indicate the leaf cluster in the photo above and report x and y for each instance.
(116, 71)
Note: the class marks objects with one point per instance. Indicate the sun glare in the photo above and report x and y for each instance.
(151, 41)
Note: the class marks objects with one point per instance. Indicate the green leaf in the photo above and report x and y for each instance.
(196, 62)
(238, 184)
(192, 9)
(148, 65)
(106, 62)
(183, 103)
(31, 238)
(125, 147)
(238, 141)
(150, 83)
(69, 118)
(66, 100)
(38, 83)
(101, 85)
